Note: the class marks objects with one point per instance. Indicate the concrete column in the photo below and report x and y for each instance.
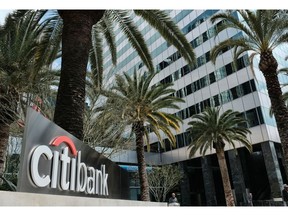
(208, 181)
(272, 168)
(240, 193)
(185, 187)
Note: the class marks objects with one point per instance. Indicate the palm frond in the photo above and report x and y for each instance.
(210, 130)
(49, 47)
(230, 21)
(170, 31)
(137, 101)
(96, 55)
(134, 36)
(108, 32)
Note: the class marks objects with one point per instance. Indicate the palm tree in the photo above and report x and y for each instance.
(21, 60)
(263, 30)
(210, 130)
(77, 38)
(141, 106)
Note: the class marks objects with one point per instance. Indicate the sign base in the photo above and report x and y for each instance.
(9, 198)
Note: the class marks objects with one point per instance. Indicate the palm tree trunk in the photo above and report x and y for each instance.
(76, 43)
(225, 177)
(4, 136)
(138, 129)
(268, 65)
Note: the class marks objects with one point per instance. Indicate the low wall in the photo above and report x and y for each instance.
(8, 198)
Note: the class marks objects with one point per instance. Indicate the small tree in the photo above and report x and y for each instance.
(107, 135)
(162, 180)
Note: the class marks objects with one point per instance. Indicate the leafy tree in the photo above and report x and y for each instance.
(141, 106)
(162, 180)
(106, 135)
(22, 48)
(264, 30)
(77, 40)
(210, 130)
(12, 161)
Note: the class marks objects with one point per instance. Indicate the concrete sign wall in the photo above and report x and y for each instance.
(55, 162)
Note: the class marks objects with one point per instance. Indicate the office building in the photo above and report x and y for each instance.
(226, 84)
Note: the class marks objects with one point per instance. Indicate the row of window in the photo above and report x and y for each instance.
(158, 50)
(153, 38)
(212, 77)
(194, 43)
(211, 32)
(200, 19)
(254, 117)
(216, 100)
(219, 99)
(186, 69)
(148, 27)
(180, 16)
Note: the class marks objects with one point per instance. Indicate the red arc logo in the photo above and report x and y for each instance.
(60, 139)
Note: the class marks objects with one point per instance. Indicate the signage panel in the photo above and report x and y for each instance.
(55, 162)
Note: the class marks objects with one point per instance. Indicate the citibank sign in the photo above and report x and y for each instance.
(55, 162)
(80, 177)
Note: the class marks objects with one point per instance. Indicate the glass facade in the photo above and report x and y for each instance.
(170, 71)
(253, 116)
(229, 84)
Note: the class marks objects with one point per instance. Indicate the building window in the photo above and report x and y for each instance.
(239, 91)
(252, 118)
(228, 69)
(212, 77)
(204, 81)
(187, 138)
(192, 110)
(176, 75)
(234, 93)
(246, 88)
(180, 141)
(226, 96)
(220, 73)
(216, 100)
(270, 120)
(207, 103)
(188, 89)
(184, 70)
(180, 93)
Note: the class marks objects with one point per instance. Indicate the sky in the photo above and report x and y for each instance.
(142, 4)
(3, 14)
(9, 5)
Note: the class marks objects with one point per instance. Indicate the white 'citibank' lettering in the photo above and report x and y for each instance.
(82, 178)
